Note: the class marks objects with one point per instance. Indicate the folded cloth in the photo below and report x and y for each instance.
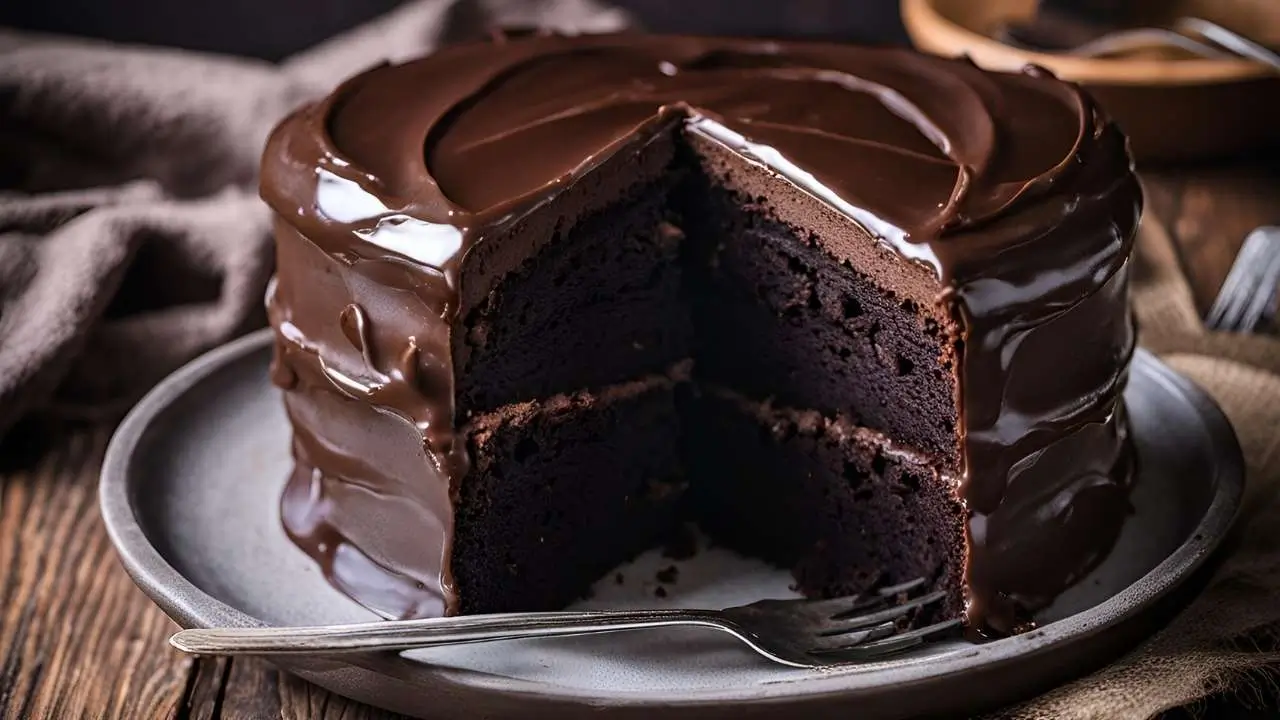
(132, 239)
(131, 235)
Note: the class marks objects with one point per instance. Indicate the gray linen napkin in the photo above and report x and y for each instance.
(131, 235)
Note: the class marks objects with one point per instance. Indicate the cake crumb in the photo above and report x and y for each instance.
(659, 489)
(670, 232)
(682, 545)
(619, 578)
(660, 591)
(668, 574)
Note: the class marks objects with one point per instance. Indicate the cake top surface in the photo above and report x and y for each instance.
(950, 164)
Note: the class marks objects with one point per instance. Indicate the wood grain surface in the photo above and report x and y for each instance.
(78, 640)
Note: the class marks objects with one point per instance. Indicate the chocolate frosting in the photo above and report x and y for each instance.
(1014, 189)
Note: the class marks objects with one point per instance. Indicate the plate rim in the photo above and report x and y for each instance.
(190, 606)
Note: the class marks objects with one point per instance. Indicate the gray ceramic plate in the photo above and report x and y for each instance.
(189, 493)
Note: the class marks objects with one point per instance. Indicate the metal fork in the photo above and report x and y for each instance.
(797, 633)
(1194, 35)
(1233, 41)
(1247, 300)
(1136, 39)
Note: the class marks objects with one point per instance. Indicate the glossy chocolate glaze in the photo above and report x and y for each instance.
(1013, 189)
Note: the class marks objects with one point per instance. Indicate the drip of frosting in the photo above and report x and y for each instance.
(1014, 189)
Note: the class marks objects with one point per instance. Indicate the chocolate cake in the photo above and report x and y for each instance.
(860, 313)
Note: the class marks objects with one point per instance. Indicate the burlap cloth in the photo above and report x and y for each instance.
(132, 239)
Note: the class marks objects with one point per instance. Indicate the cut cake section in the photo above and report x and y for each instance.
(839, 505)
(549, 224)
(563, 490)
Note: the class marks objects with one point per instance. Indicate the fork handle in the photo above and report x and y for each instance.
(428, 632)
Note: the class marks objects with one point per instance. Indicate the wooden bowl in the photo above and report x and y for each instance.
(1172, 109)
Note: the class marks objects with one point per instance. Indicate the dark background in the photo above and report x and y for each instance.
(274, 29)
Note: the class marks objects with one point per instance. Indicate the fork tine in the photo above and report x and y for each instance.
(837, 643)
(900, 588)
(1263, 263)
(1228, 313)
(865, 650)
(856, 603)
(844, 605)
(1264, 293)
(847, 624)
(1268, 315)
(1236, 288)
(1249, 290)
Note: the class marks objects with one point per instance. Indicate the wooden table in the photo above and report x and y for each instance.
(77, 639)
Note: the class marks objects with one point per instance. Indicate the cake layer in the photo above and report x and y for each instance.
(587, 293)
(840, 506)
(560, 491)
(784, 313)
(847, 509)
